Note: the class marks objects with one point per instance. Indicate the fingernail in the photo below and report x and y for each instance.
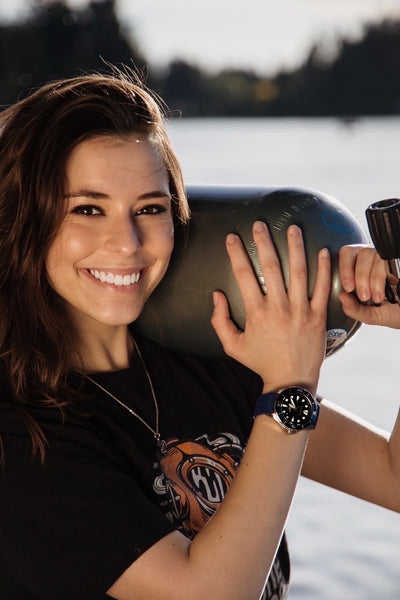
(363, 295)
(231, 238)
(215, 298)
(259, 226)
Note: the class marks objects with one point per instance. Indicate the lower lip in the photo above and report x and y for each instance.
(112, 287)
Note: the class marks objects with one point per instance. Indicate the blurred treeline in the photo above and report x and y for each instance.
(53, 41)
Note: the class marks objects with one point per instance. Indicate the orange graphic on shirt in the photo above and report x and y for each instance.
(195, 478)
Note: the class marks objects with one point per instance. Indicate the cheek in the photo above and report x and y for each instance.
(70, 246)
(163, 238)
(162, 246)
(53, 261)
(64, 253)
(169, 240)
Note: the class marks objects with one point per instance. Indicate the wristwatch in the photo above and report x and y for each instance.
(294, 408)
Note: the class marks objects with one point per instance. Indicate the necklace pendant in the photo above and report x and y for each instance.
(161, 445)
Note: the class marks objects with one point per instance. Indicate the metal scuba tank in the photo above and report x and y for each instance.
(177, 315)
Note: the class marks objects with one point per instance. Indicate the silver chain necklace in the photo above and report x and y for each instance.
(161, 444)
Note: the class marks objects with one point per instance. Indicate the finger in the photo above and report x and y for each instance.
(243, 271)
(269, 262)
(225, 329)
(322, 286)
(363, 272)
(355, 265)
(379, 273)
(351, 307)
(369, 315)
(347, 261)
(298, 280)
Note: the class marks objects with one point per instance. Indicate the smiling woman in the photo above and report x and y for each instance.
(57, 121)
(121, 459)
(115, 242)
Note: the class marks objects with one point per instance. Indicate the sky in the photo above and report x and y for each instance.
(259, 35)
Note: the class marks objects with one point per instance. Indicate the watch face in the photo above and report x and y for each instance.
(295, 409)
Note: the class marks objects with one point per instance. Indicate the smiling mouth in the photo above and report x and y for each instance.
(118, 280)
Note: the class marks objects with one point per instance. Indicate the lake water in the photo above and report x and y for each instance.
(342, 548)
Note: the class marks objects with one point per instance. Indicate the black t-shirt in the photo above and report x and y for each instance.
(71, 526)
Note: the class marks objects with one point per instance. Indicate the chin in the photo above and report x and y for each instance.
(118, 321)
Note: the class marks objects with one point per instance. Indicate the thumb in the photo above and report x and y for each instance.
(224, 327)
(350, 305)
(366, 313)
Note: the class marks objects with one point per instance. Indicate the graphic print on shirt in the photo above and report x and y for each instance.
(195, 478)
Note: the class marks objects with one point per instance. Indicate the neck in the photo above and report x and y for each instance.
(109, 349)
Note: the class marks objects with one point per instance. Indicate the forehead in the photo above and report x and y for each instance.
(102, 145)
(102, 158)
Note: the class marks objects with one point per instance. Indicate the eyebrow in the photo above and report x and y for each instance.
(86, 193)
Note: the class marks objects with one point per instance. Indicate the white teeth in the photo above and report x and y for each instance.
(118, 280)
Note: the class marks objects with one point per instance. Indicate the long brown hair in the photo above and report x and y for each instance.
(37, 135)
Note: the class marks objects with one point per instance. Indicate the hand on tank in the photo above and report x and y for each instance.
(363, 275)
(284, 335)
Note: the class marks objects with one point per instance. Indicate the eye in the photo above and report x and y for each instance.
(87, 210)
(151, 209)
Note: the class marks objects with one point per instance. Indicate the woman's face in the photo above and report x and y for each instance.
(116, 239)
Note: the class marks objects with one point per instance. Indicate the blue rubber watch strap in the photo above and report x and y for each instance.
(265, 404)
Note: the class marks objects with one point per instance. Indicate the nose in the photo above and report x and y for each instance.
(123, 236)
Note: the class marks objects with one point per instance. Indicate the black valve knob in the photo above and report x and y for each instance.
(383, 219)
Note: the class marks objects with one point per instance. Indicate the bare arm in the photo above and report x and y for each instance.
(232, 555)
(351, 455)
(346, 452)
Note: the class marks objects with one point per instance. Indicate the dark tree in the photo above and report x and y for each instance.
(363, 78)
(55, 41)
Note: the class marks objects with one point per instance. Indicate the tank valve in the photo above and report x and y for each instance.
(383, 220)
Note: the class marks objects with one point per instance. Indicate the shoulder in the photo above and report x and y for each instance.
(223, 372)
